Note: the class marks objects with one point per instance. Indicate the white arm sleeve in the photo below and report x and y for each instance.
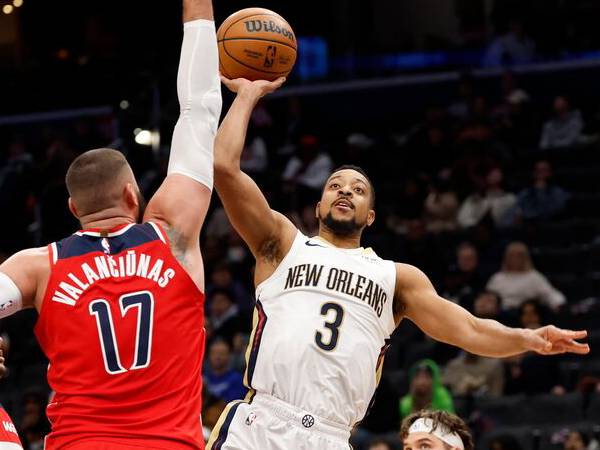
(11, 299)
(199, 91)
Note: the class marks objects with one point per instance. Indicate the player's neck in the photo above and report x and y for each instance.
(106, 219)
(352, 241)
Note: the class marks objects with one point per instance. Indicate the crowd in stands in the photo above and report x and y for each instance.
(495, 199)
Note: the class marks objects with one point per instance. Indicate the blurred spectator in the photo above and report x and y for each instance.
(56, 221)
(34, 425)
(382, 444)
(512, 48)
(357, 149)
(220, 379)
(478, 126)
(514, 118)
(307, 171)
(429, 143)
(218, 226)
(212, 407)
(470, 374)
(543, 200)
(426, 390)
(466, 92)
(530, 373)
(15, 196)
(531, 315)
(464, 279)
(254, 157)
(408, 205)
(306, 220)
(487, 305)
(490, 199)
(222, 278)
(564, 130)
(518, 281)
(238, 351)
(579, 440)
(225, 318)
(441, 206)
(505, 442)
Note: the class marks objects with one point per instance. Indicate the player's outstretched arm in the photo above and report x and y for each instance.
(20, 277)
(267, 232)
(181, 203)
(452, 324)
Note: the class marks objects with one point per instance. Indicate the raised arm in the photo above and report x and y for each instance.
(452, 324)
(181, 203)
(269, 234)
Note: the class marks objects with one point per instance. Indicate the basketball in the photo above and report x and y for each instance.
(257, 44)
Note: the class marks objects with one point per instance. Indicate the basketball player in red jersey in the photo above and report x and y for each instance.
(9, 438)
(121, 302)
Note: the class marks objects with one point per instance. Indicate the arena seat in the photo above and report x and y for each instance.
(585, 205)
(593, 411)
(501, 411)
(523, 435)
(552, 409)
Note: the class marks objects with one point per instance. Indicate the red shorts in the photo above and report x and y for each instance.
(9, 438)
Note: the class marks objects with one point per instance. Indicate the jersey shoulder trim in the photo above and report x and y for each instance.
(84, 242)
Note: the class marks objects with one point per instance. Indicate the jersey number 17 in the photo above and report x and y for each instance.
(144, 303)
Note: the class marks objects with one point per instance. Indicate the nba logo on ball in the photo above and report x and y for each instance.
(270, 56)
(256, 44)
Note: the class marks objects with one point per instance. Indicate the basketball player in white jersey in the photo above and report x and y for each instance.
(326, 307)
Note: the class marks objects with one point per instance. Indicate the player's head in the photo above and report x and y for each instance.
(101, 182)
(437, 430)
(347, 201)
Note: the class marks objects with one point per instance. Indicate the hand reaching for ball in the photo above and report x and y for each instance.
(254, 89)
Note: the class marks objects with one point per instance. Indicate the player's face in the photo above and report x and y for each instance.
(423, 441)
(345, 206)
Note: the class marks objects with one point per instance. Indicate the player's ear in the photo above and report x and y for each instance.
(72, 208)
(130, 196)
(317, 209)
(370, 217)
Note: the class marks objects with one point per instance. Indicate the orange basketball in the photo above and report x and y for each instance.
(256, 44)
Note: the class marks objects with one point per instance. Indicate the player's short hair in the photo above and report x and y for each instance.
(363, 173)
(91, 176)
(450, 421)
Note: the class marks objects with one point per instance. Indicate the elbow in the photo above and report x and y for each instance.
(226, 172)
(224, 167)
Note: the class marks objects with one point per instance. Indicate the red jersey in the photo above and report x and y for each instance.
(9, 438)
(122, 324)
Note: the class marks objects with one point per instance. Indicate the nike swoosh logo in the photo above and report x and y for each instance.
(312, 244)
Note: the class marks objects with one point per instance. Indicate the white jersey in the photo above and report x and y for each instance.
(321, 327)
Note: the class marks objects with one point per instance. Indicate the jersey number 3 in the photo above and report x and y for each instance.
(332, 326)
(144, 303)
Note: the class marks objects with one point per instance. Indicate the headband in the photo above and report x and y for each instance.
(422, 425)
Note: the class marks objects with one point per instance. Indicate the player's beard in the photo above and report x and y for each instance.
(341, 227)
(142, 207)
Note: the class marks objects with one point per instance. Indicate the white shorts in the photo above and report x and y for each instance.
(267, 423)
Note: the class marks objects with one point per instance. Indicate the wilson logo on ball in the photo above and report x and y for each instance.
(256, 26)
